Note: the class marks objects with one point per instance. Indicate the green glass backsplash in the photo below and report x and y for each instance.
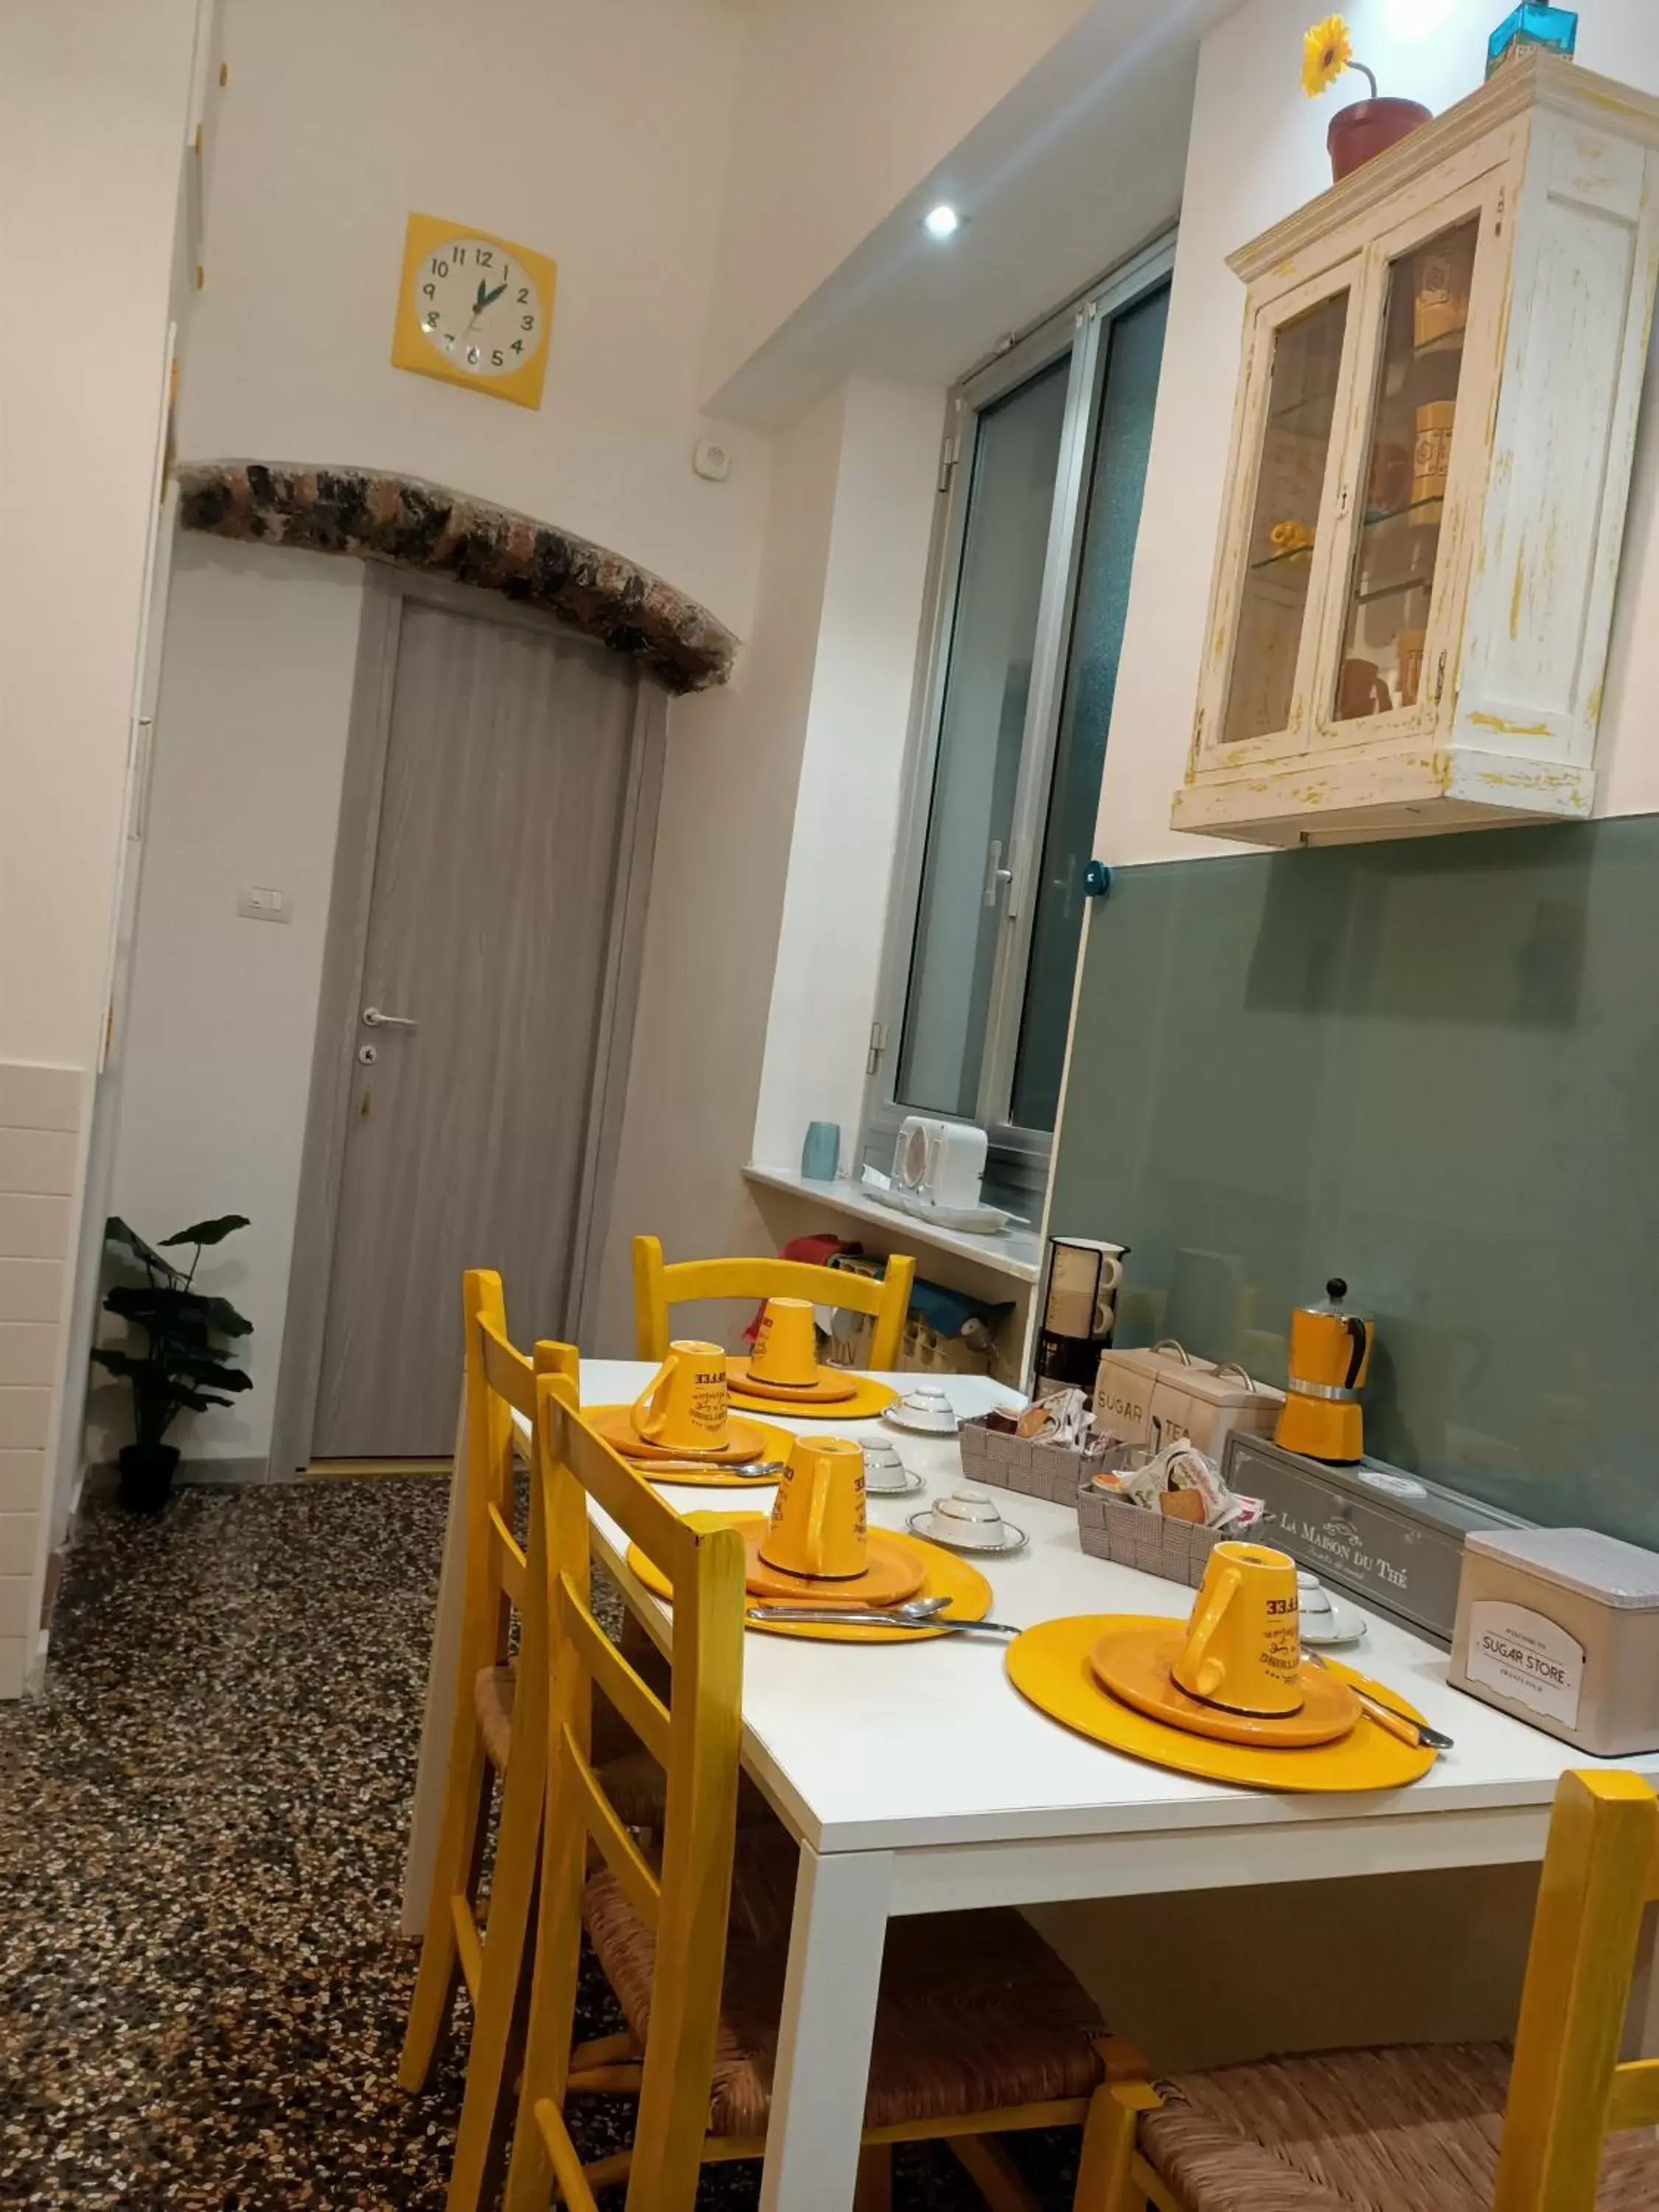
(1432, 1067)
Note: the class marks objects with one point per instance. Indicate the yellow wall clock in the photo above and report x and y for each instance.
(474, 309)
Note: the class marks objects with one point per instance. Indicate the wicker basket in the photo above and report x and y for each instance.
(1035, 1470)
(1134, 1536)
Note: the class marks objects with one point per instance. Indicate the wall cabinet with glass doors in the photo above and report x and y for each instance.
(1431, 450)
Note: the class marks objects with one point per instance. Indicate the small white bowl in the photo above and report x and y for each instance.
(927, 1409)
(885, 1474)
(966, 1521)
(1325, 1619)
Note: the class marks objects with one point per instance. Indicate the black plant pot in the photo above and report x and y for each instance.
(147, 1475)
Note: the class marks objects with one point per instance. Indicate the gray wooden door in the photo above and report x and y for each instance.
(497, 850)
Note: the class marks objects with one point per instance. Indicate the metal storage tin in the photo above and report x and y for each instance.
(1560, 1626)
(1391, 1539)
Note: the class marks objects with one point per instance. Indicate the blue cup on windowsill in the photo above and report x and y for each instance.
(820, 1156)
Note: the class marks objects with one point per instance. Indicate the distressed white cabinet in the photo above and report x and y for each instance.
(1431, 450)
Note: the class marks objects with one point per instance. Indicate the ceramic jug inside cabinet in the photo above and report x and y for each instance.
(1431, 449)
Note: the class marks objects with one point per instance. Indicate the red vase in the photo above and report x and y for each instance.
(1366, 128)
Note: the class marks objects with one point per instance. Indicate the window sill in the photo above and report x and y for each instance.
(1016, 1252)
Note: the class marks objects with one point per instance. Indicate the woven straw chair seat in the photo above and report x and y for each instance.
(976, 2012)
(1414, 2129)
(633, 1780)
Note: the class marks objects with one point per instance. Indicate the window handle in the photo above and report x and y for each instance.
(997, 877)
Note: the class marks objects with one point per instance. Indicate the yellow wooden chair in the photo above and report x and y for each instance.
(498, 1740)
(695, 1737)
(982, 2031)
(657, 1286)
(1438, 2129)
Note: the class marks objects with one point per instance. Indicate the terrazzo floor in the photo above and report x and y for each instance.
(202, 1989)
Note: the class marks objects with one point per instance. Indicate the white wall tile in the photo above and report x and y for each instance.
(22, 1479)
(17, 1605)
(39, 1097)
(28, 1352)
(19, 1534)
(31, 1290)
(34, 1228)
(38, 1160)
(24, 1417)
(13, 1665)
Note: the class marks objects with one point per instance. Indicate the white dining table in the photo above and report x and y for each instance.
(915, 1778)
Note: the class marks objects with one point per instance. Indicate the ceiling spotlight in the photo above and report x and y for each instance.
(941, 222)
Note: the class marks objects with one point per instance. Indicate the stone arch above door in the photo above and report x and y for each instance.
(376, 514)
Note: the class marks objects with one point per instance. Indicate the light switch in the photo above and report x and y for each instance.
(263, 903)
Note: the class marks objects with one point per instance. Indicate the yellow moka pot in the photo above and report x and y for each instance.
(1330, 1354)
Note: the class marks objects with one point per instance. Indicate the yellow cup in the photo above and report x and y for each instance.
(819, 1525)
(786, 1353)
(685, 1405)
(1244, 1648)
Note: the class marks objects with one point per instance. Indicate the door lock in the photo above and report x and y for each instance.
(368, 1054)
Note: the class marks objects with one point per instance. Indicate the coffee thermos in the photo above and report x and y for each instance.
(1080, 1284)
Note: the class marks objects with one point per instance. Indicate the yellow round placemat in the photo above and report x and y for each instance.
(1049, 1665)
(860, 1402)
(757, 1440)
(945, 1576)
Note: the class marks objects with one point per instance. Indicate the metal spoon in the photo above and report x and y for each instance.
(895, 1617)
(754, 1468)
(1406, 1726)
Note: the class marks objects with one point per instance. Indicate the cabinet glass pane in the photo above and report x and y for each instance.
(1009, 505)
(1397, 541)
(1296, 442)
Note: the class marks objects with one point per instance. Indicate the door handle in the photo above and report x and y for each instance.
(377, 1020)
(997, 877)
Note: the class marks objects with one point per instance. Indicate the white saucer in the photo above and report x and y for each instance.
(1347, 1625)
(907, 1488)
(915, 1525)
(898, 1416)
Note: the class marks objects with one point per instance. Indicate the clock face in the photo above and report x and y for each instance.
(477, 306)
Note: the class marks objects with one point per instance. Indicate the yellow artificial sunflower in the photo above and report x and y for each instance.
(1327, 50)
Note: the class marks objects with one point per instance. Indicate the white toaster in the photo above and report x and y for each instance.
(940, 1163)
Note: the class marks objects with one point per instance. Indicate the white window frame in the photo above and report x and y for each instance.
(1019, 1156)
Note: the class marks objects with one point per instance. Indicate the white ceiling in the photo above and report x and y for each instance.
(1080, 164)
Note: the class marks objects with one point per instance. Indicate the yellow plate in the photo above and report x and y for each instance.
(1049, 1665)
(864, 1396)
(1135, 1664)
(833, 1385)
(944, 1577)
(758, 1440)
(892, 1573)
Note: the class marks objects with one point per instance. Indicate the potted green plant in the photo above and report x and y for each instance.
(182, 1365)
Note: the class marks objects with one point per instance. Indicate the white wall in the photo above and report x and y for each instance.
(93, 99)
(1257, 151)
(841, 850)
(93, 105)
(717, 893)
(260, 651)
(843, 110)
(596, 135)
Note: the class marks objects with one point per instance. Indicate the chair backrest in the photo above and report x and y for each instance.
(499, 1382)
(696, 1739)
(1567, 2088)
(657, 1286)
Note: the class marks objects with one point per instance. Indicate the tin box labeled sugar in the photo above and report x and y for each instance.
(1560, 1627)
